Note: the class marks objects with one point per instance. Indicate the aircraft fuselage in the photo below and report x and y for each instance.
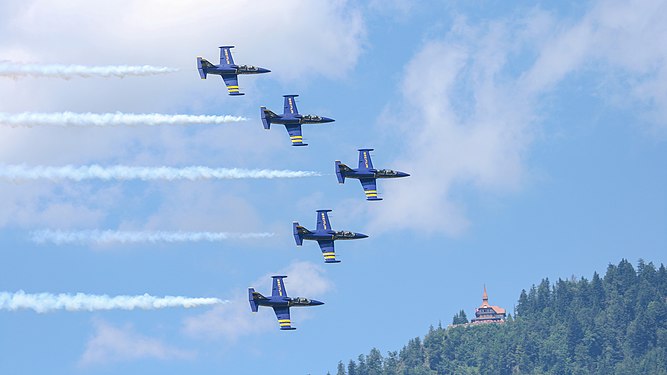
(300, 119)
(332, 235)
(288, 302)
(375, 173)
(236, 69)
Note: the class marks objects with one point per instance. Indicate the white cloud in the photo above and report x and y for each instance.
(298, 40)
(276, 35)
(235, 319)
(470, 100)
(43, 205)
(305, 279)
(466, 126)
(120, 344)
(201, 207)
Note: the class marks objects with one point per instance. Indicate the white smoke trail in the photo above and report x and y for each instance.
(29, 119)
(47, 302)
(18, 70)
(109, 236)
(120, 172)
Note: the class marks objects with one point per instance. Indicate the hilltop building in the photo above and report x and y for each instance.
(487, 313)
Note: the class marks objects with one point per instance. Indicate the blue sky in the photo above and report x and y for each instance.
(535, 135)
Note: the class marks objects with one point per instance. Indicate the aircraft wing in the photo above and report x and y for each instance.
(226, 55)
(323, 222)
(327, 247)
(365, 161)
(282, 313)
(370, 189)
(278, 287)
(232, 82)
(294, 132)
(290, 105)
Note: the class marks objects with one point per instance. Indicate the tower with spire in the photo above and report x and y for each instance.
(487, 313)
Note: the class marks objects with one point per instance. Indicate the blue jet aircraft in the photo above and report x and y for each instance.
(227, 69)
(324, 236)
(291, 119)
(280, 302)
(366, 174)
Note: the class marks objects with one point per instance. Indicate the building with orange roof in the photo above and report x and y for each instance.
(487, 313)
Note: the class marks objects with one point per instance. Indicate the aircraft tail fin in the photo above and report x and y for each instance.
(202, 66)
(290, 105)
(253, 297)
(341, 170)
(267, 115)
(298, 231)
(226, 55)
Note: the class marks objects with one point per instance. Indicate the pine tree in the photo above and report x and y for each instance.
(374, 362)
(341, 368)
(460, 318)
(391, 364)
(361, 367)
(522, 306)
(352, 368)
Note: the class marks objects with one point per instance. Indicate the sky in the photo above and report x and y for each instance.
(535, 136)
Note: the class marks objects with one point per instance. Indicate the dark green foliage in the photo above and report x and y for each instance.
(616, 324)
(460, 318)
(352, 368)
(341, 368)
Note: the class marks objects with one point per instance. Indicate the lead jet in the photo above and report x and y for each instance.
(291, 119)
(366, 174)
(324, 235)
(280, 302)
(227, 69)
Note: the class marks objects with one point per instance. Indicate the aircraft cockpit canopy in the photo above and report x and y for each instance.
(248, 67)
(387, 172)
(312, 117)
(344, 233)
(301, 300)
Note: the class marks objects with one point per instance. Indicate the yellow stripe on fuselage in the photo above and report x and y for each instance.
(283, 320)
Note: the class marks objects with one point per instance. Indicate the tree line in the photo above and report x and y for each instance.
(615, 324)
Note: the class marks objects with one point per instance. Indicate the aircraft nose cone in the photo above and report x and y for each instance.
(403, 174)
(263, 70)
(315, 302)
(361, 235)
(327, 119)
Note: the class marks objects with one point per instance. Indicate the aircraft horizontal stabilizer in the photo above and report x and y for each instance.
(203, 66)
(200, 67)
(251, 298)
(267, 115)
(297, 231)
(340, 171)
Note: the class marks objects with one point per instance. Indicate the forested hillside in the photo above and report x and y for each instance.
(616, 324)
